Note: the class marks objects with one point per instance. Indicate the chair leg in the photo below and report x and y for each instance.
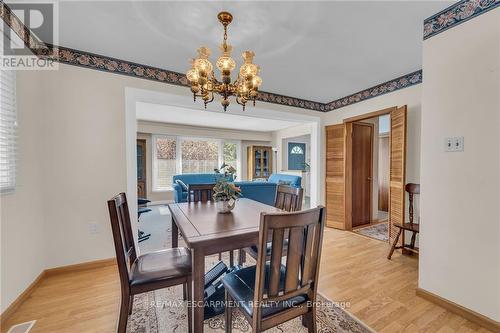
(220, 256)
(131, 304)
(241, 257)
(393, 247)
(309, 320)
(123, 316)
(184, 291)
(231, 258)
(413, 237)
(229, 313)
(189, 300)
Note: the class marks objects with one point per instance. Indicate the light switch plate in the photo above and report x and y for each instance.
(458, 143)
(454, 144)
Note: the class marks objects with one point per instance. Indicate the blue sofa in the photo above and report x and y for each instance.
(262, 191)
(265, 191)
(192, 178)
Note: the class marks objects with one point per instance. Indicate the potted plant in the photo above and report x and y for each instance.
(225, 192)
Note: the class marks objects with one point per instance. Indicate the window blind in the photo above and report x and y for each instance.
(8, 129)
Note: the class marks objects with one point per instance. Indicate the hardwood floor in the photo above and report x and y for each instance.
(354, 269)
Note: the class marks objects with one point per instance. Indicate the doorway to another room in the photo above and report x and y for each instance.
(365, 173)
(370, 177)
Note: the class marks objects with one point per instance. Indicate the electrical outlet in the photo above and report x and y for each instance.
(94, 228)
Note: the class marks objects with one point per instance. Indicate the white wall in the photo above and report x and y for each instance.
(22, 220)
(460, 232)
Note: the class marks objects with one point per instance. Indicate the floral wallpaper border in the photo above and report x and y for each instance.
(456, 14)
(112, 65)
(401, 82)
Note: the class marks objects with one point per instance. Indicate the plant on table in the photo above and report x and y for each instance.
(225, 193)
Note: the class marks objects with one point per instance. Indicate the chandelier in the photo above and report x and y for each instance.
(204, 84)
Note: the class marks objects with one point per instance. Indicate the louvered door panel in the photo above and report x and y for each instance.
(397, 170)
(335, 176)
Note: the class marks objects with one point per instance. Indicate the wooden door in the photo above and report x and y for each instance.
(362, 162)
(383, 173)
(335, 176)
(397, 170)
(141, 168)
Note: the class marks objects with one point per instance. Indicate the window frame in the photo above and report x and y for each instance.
(11, 136)
(154, 164)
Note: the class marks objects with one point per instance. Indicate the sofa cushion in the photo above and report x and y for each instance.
(182, 185)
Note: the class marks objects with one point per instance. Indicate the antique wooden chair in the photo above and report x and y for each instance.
(288, 198)
(269, 294)
(151, 271)
(412, 189)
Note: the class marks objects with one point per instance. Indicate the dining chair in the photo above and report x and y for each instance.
(271, 293)
(200, 192)
(288, 198)
(147, 272)
(414, 228)
(204, 193)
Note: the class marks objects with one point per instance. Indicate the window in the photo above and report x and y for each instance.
(230, 154)
(175, 155)
(164, 162)
(199, 155)
(8, 129)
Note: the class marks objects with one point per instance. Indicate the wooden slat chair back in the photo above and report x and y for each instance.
(305, 236)
(142, 274)
(289, 198)
(122, 236)
(200, 192)
(414, 228)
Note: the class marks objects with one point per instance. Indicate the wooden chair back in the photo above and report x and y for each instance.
(288, 198)
(200, 192)
(412, 189)
(122, 236)
(305, 229)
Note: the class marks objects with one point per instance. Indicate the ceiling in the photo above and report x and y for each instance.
(318, 51)
(193, 117)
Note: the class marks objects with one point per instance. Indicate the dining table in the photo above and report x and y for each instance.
(206, 231)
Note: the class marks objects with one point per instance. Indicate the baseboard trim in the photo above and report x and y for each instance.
(80, 267)
(468, 314)
(4, 316)
(20, 299)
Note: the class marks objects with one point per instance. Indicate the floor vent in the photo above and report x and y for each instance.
(22, 328)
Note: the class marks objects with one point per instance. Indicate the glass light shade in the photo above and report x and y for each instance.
(192, 75)
(256, 81)
(225, 63)
(248, 70)
(203, 65)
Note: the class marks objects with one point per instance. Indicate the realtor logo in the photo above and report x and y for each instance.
(22, 50)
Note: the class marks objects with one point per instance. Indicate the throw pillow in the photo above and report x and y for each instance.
(182, 185)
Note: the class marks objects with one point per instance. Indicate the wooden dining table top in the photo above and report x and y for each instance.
(201, 224)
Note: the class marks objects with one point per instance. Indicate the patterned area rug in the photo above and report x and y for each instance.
(163, 311)
(378, 231)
